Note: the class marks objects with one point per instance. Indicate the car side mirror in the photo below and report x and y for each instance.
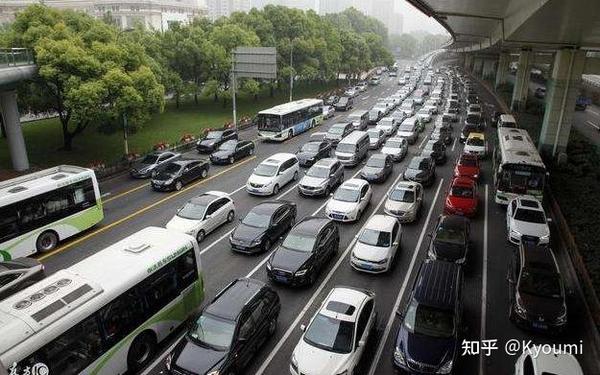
(331, 194)
(361, 343)
(207, 216)
(302, 327)
(242, 339)
(549, 220)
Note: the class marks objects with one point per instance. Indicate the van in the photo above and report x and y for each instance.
(353, 148)
(359, 119)
(507, 121)
(408, 129)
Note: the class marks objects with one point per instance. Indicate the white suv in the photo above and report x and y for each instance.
(525, 217)
(349, 201)
(203, 214)
(377, 245)
(556, 362)
(336, 336)
(272, 174)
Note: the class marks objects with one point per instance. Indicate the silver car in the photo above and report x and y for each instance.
(322, 178)
(404, 201)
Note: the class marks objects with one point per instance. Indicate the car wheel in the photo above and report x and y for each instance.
(251, 152)
(231, 160)
(178, 185)
(275, 189)
(266, 245)
(273, 326)
(200, 236)
(296, 176)
(359, 216)
(230, 216)
(313, 278)
(46, 241)
(327, 191)
(204, 173)
(141, 351)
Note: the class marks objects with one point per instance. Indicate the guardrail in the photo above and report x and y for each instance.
(15, 57)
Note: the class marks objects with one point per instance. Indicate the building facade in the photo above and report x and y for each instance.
(223, 8)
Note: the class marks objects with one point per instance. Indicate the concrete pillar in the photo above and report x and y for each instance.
(478, 66)
(562, 90)
(521, 89)
(502, 71)
(14, 133)
(488, 69)
(468, 62)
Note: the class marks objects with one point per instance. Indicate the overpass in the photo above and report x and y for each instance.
(489, 35)
(16, 65)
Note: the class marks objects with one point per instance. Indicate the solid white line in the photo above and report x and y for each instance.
(366, 97)
(390, 322)
(593, 125)
(423, 141)
(105, 195)
(238, 189)
(341, 259)
(594, 112)
(216, 242)
(484, 281)
(454, 144)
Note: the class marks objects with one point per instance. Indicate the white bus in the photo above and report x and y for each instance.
(518, 167)
(287, 120)
(40, 209)
(108, 313)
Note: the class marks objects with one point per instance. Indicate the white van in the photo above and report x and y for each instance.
(359, 119)
(353, 148)
(272, 174)
(507, 121)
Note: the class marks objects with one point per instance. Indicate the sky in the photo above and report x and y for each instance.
(415, 20)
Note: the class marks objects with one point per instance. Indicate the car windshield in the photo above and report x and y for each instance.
(403, 195)
(310, 147)
(468, 162)
(478, 142)
(213, 332)
(214, 135)
(150, 159)
(266, 170)
(393, 144)
(540, 284)
(375, 238)
(452, 236)
(429, 321)
(192, 211)
(373, 134)
(299, 243)
(171, 169)
(429, 147)
(256, 220)
(317, 171)
(228, 146)
(336, 130)
(345, 194)
(330, 334)
(530, 216)
(461, 191)
(419, 164)
(376, 162)
(346, 147)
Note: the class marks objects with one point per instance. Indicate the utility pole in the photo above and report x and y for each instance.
(125, 133)
(233, 84)
(291, 70)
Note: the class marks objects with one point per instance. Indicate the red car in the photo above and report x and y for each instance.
(462, 198)
(467, 166)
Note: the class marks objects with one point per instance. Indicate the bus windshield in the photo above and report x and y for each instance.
(521, 179)
(269, 122)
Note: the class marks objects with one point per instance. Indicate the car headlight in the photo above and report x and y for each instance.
(446, 367)
(399, 356)
(545, 238)
(301, 272)
(168, 361)
(256, 242)
(515, 232)
(345, 372)
(562, 319)
(214, 372)
(269, 266)
(169, 181)
(519, 309)
(475, 176)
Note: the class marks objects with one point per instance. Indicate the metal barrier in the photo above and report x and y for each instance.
(15, 57)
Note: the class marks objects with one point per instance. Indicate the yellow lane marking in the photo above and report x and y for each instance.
(139, 212)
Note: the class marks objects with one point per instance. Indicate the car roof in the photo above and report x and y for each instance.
(278, 158)
(379, 157)
(343, 303)
(437, 284)
(529, 202)
(556, 363)
(538, 256)
(507, 118)
(311, 225)
(476, 135)
(228, 304)
(453, 221)
(381, 222)
(407, 185)
(463, 181)
(269, 207)
(355, 182)
(208, 197)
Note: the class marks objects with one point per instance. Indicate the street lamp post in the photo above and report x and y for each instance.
(291, 70)
(125, 141)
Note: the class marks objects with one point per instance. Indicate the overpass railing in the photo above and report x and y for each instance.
(15, 57)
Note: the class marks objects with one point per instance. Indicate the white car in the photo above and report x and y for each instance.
(272, 174)
(349, 201)
(203, 214)
(404, 201)
(424, 115)
(555, 362)
(388, 125)
(328, 111)
(377, 245)
(351, 92)
(396, 147)
(525, 216)
(376, 138)
(335, 339)
(475, 145)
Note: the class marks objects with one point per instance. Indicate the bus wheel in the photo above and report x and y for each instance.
(141, 351)
(290, 134)
(46, 241)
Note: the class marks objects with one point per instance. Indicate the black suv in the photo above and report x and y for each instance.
(263, 226)
(214, 138)
(450, 240)
(536, 289)
(378, 168)
(304, 252)
(312, 151)
(428, 339)
(228, 332)
(436, 149)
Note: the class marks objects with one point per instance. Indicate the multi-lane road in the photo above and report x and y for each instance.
(131, 205)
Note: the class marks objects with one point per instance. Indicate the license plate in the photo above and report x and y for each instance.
(337, 216)
(539, 325)
(366, 266)
(281, 279)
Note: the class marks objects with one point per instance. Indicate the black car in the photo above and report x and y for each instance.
(345, 103)
(18, 274)
(232, 151)
(436, 150)
(450, 240)
(312, 151)
(467, 129)
(445, 135)
(332, 100)
(178, 173)
(428, 340)
(151, 163)
(214, 138)
(378, 168)
(263, 226)
(304, 252)
(536, 289)
(228, 332)
(421, 169)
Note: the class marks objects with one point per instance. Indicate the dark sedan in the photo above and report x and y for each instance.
(214, 139)
(304, 252)
(421, 169)
(179, 173)
(152, 163)
(232, 151)
(467, 129)
(436, 150)
(263, 226)
(450, 239)
(18, 274)
(378, 168)
(312, 151)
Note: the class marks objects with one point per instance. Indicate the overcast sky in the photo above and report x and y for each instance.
(414, 19)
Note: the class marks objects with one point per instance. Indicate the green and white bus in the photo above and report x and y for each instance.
(108, 313)
(286, 120)
(40, 209)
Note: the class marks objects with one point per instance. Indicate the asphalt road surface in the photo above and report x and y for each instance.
(131, 205)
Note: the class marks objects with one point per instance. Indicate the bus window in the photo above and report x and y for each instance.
(187, 271)
(160, 288)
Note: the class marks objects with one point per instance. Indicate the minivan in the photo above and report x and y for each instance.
(272, 174)
(428, 339)
(344, 104)
(353, 148)
(359, 119)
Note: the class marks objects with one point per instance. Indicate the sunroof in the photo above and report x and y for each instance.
(529, 203)
(340, 307)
